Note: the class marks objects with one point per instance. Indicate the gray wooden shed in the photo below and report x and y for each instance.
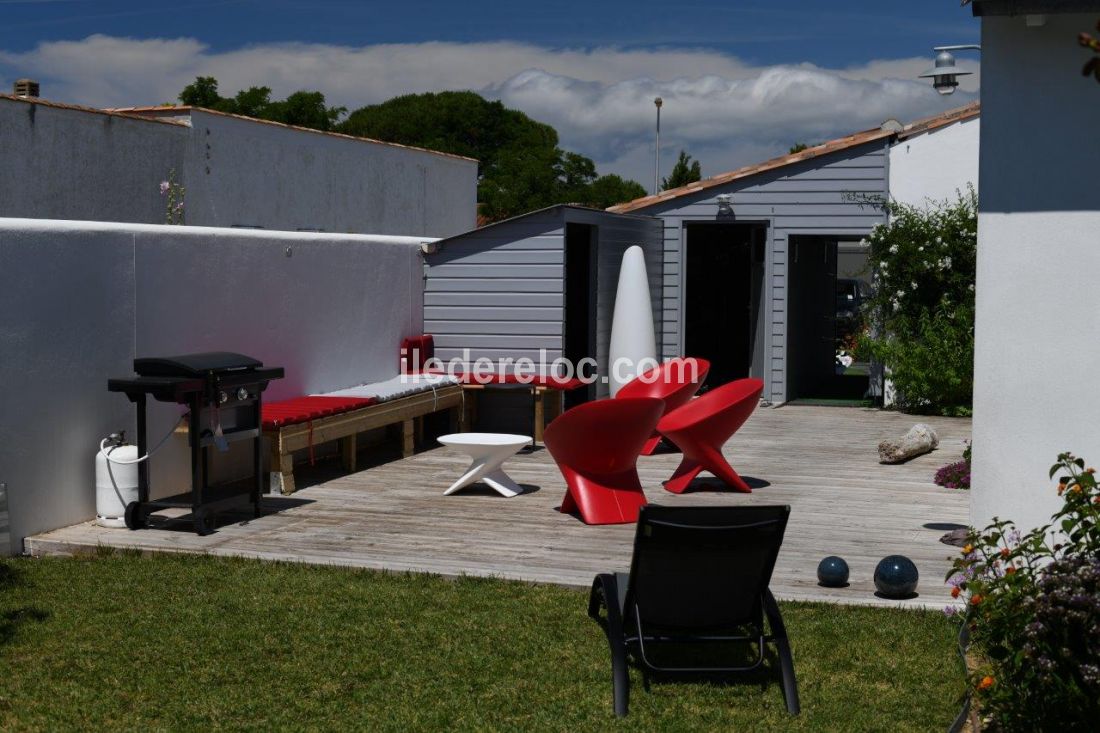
(750, 258)
(541, 281)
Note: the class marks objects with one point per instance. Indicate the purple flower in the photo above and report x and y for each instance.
(164, 186)
(950, 611)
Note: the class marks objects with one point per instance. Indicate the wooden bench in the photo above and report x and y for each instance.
(345, 426)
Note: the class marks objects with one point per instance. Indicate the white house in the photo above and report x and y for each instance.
(934, 163)
(1036, 392)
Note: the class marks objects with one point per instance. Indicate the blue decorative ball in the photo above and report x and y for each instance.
(832, 572)
(896, 576)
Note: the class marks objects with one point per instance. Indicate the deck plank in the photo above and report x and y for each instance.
(821, 460)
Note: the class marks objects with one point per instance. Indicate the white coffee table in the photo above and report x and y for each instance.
(488, 452)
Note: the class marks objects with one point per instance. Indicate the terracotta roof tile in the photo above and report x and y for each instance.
(90, 110)
(841, 143)
(145, 111)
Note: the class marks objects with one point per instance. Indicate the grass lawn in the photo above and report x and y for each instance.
(182, 642)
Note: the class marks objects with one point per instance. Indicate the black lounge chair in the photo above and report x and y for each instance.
(698, 575)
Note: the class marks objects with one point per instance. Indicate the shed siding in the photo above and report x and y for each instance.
(499, 292)
(614, 237)
(815, 196)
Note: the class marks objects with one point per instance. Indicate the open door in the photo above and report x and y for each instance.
(723, 297)
(815, 297)
(580, 303)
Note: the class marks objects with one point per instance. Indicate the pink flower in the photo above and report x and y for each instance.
(164, 186)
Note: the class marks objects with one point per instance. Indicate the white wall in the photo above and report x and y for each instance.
(62, 163)
(935, 165)
(71, 163)
(246, 173)
(1038, 322)
(79, 300)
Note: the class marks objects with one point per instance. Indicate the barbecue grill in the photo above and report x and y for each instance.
(222, 391)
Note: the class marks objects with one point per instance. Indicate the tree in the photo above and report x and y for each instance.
(203, 92)
(303, 108)
(684, 172)
(1092, 66)
(520, 166)
(797, 148)
(610, 189)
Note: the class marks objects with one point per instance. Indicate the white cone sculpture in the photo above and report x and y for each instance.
(633, 343)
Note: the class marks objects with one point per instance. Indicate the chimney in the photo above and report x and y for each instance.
(26, 88)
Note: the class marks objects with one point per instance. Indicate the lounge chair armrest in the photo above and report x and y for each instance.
(605, 592)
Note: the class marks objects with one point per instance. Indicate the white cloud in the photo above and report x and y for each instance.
(722, 110)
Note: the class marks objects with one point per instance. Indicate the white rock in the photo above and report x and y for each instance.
(919, 440)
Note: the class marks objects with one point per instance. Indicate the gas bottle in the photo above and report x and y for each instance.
(116, 484)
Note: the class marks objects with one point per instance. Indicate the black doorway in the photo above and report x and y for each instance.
(580, 303)
(723, 283)
(814, 299)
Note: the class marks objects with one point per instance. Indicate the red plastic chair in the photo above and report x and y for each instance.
(701, 427)
(676, 382)
(596, 446)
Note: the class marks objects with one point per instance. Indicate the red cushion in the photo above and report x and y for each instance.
(304, 409)
(422, 347)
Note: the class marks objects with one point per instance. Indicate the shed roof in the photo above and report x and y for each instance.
(883, 132)
(538, 212)
(151, 112)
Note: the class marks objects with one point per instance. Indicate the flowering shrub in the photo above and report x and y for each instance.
(956, 475)
(922, 308)
(1033, 612)
(174, 194)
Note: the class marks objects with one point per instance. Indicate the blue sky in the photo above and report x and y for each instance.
(742, 80)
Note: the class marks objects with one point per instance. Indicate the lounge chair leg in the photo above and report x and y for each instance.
(605, 592)
(620, 679)
(783, 647)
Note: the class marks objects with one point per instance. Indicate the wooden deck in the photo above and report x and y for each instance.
(820, 460)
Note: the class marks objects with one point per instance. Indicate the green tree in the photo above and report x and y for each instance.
(303, 108)
(797, 148)
(1092, 66)
(610, 189)
(684, 172)
(203, 92)
(521, 168)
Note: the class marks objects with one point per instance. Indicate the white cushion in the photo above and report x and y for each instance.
(402, 385)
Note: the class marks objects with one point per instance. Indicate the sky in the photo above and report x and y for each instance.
(741, 80)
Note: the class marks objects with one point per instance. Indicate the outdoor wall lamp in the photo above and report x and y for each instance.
(944, 73)
(725, 206)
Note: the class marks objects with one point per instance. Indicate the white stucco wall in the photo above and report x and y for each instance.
(246, 173)
(79, 300)
(1038, 324)
(70, 163)
(60, 163)
(936, 165)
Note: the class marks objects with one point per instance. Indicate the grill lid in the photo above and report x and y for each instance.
(194, 365)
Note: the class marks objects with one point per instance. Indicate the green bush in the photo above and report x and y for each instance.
(921, 315)
(1033, 612)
